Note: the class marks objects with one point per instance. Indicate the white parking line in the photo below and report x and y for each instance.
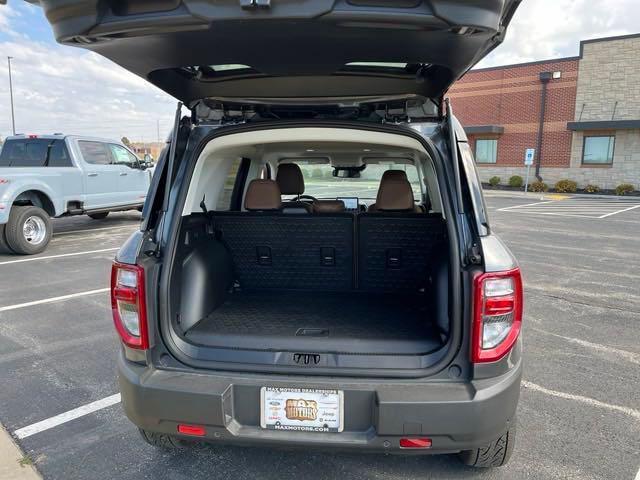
(579, 398)
(65, 417)
(53, 299)
(89, 230)
(48, 257)
(525, 205)
(620, 211)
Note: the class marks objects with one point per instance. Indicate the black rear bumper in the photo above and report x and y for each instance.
(456, 416)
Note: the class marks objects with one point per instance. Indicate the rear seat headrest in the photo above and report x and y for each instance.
(395, 195)
(328, 206)
(394, 175)
(290, 179)
(262, 195)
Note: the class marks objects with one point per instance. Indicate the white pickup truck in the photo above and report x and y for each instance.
(57, 175)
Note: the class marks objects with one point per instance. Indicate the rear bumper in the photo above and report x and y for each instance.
(456, 416)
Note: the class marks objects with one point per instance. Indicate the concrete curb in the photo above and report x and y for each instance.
(554, 196)
(10, 457)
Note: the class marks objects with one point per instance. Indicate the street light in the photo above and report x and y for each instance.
(13, 119)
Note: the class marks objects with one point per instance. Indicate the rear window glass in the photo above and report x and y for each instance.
(95, 153)
(34, 153)
(320, 182)
(224, 200)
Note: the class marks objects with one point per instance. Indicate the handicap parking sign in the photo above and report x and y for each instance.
(528, 156)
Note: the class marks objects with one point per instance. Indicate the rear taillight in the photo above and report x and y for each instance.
(128, 305)
(497, 316)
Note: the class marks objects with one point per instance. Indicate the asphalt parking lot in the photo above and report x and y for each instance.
(579, 413)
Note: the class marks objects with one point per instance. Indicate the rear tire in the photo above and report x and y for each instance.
(4, 246)
(163, 440)
(98, 216)
(495, 454)
(29, 230)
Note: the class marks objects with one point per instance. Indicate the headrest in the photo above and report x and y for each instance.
(290, 179)
(262, 195)
(328, 206)
(394, 175)
(395, 195)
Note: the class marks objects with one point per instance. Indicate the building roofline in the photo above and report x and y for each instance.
(561, 59)
(606, 39)
(525, 64)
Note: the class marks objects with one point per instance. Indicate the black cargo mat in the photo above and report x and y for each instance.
(331, 322)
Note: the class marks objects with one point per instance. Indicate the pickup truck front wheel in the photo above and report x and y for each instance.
(28, 230)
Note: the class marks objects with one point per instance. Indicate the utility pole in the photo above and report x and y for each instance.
(158, 128)
(13, 119)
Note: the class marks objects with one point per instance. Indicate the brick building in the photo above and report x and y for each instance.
(591, 126)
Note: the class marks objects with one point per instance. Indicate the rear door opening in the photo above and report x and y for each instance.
(296, 250)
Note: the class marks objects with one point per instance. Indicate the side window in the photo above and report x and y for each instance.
(122, 156)
(598, 150)
(95, 153)
(59, 155)
(224, 199)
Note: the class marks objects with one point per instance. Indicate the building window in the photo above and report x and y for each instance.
(486, 151)
(598, 150)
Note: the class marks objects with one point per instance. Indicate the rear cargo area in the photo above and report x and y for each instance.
(318, 322)
(269, 277)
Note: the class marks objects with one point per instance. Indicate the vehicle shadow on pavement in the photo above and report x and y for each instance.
(281, 464)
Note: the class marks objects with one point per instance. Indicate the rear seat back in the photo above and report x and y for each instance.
(301, 252)
(396, 250)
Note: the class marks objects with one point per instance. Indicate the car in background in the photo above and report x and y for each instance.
(46, 176)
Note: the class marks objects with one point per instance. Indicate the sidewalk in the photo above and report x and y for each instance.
(10, 457)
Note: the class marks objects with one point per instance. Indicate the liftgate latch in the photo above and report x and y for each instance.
(251, 4)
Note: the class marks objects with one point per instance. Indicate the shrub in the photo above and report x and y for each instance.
(624, 189)
(538, 186)
(493, 181)
(566, 186)
(592, 188)
(516, 181)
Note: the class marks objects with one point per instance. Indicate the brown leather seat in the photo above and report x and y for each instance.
(291, 182)
(262, 195)
(395, 194)
(328, 206)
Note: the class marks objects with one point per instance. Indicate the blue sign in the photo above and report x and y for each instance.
(528, 156)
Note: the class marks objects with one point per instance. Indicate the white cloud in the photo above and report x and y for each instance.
(70, 90)
(543, 29)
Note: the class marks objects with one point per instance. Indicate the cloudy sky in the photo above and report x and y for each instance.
(65, 89)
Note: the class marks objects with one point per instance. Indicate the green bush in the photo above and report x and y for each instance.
(493, 181)
(566, 186)
(624, 189)
(538, 186)
(592, 188)
(516, 181)
(316, 173)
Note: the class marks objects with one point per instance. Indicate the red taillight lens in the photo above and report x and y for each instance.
(415, 443)
(497, 317)
(128, 305)
(194, 430)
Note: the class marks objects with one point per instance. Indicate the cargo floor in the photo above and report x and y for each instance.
(322, 322)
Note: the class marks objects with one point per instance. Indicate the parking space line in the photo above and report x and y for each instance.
(65, 417)
(619, 211)
(89, 230)
(525, 205)
(579, 398)
(48, 257)
(53, 299)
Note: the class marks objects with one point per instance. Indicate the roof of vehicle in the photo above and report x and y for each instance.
(195, 49)
(61, 136)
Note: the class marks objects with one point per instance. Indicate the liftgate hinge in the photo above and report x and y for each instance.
(474, 254)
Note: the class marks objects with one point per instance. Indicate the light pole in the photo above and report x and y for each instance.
(13, 119)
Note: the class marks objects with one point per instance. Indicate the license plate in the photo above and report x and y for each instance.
(301, 409)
